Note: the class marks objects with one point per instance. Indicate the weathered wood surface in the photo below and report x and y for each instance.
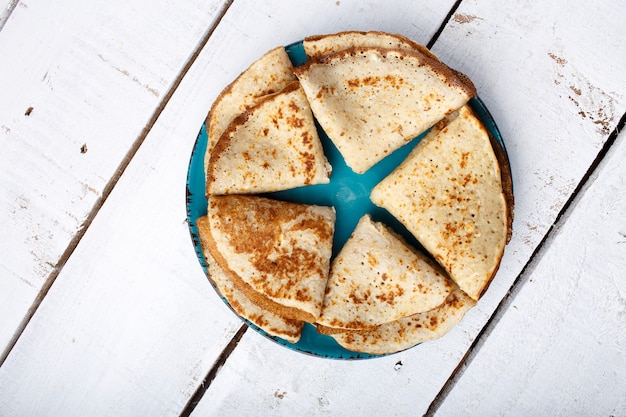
(131, 326)
(559, 345)
(79, 83)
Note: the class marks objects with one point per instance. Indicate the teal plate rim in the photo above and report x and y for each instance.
(347, 192)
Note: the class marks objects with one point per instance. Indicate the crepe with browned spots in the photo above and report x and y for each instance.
(371, 101)
(272, 323)
(409, 331)
(267, 75)
(320, 45)
(271, 147)
(277, 253)
(377, 278)
(449, 194)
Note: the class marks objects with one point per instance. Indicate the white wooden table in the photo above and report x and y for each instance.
(104, 308)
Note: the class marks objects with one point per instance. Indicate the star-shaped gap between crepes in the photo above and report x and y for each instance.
(349, 192)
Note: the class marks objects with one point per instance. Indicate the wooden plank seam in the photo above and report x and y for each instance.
(452, 11)
(6, 13)
(108, 188)
(523, 276)
(219, 362)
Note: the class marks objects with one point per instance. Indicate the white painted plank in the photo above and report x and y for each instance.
(75, 73)
(556, 95)
(526, 60)
(131, 326)
(559, 348)
(261, 378)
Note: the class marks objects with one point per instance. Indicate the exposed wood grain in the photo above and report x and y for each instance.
(564, 328)
(529, 65)
(79, 84)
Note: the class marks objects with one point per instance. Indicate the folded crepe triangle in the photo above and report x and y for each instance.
(273, 146)
(320, 45)
(267, 75)
(270, 322)
(377, 278)
(277, 253)
(371, 101)
(449, 194)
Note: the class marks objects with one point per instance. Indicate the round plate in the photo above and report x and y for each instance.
(347, 191)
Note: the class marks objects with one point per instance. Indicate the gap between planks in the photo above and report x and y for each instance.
(6, 13)
(217, 365)
(434, 38)
(221, 360)
(522, 278)
(114, 179)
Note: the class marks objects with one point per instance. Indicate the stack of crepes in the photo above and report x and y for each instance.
(371, 93)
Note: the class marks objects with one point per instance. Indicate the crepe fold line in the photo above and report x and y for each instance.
(409, 331)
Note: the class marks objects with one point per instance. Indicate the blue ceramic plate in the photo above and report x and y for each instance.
(347, 192)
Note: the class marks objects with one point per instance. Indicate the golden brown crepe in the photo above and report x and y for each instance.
(371, 101)
(377, 278)
(268, 75)
(273, 146)
(317, 46)
(273, 324)
(449, 195)
(277, 253)
(407, 332)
